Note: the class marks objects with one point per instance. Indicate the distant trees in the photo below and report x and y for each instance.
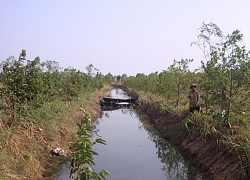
(118, 78)
(31, 82)
(170, 83)
(224, 83)
(123, 76)
(143, 82)
(225, 63)
(175, 80)
(109, 77)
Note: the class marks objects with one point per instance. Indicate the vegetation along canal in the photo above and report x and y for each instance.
(134, 150)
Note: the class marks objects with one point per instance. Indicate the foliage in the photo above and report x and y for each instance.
(225, 110)
(227, 64)
(27, 82)
(171, 83)
(142, 82)
(109, 77)
(175, 80)
(31, 92)
(82, 158)
(21, 83)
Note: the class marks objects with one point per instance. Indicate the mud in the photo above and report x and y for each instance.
(215, 160)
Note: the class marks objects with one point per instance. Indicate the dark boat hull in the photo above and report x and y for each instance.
(114, 102)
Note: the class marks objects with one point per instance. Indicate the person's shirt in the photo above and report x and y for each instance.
(194, 97)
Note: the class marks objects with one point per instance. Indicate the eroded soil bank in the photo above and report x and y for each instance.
(51, 162)
(216, 161)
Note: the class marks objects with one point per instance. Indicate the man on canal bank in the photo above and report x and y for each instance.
(194, 99)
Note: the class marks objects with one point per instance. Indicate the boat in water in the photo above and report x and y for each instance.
(118, 103)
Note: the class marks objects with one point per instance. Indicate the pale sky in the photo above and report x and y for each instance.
(116, 36)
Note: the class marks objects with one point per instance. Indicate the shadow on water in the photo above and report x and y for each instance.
(174, 165)
(134, 150)
(150, 156)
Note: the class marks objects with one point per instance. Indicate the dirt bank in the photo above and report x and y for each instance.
(215, 161)
(91, 106)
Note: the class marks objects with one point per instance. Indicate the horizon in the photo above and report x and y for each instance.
(116, 37)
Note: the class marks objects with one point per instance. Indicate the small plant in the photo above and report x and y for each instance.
(82, 158)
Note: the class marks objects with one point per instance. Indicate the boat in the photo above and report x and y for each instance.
(116, 102)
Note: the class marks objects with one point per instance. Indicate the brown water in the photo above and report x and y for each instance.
(134, 150)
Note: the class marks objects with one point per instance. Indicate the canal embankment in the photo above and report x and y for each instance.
(213, 157)
(26, 150)
(134, 150)
(215, 160)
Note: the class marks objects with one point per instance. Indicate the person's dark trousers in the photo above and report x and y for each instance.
(192, 109)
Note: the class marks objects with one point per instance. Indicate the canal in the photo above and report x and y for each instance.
(134, 150)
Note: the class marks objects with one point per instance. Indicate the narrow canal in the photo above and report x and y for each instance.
(134, 150)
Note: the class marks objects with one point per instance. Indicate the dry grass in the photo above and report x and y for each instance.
(27, 153)
(19, 160)
(191, 130)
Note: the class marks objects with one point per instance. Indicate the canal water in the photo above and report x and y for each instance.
(134, 151)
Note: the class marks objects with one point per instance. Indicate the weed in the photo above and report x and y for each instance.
(82, 157)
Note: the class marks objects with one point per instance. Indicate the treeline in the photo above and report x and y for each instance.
(39, 107)
(171, 83)
(31, 82)
(226, 64)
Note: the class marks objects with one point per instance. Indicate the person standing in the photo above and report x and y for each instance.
(194, 99)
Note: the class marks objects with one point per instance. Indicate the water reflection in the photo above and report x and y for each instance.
(174, 165)
(117, 93)
(171, 164)
(134, 150)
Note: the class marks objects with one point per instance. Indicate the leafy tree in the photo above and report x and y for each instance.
(91, 70)
(225, 65)
(82, 160)
(76, 82)
(140, 75)
(123, 76)
(109, 77)
(50, 66)
(22, 82)
(27, 82)
(173, 81)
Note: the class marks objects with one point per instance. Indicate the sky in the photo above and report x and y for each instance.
(116, 36)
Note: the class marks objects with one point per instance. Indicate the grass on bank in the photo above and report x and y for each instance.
(25, 147)
(235, 137)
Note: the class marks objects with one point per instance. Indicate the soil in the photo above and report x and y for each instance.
(215, 161)
(93, 108)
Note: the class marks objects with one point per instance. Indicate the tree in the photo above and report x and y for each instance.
(124, 76)
(108, 77)
(174, 80)
(22, 82)
(50, 66)
(225, 65)
(179, 70)
(91, 70)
